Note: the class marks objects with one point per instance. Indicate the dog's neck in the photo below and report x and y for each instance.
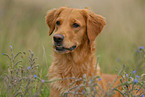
(81, 61)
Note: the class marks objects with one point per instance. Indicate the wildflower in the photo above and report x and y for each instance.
(42, 81)
(3, 53)
(99, 79)
(10, 46)
(138, 76)
(135, 80)
(80, 78)
(91, 80)
(130, 77)
(29, 67)
(35, 76)
(134, 71)
(138, 89)
(83, 91)
(126, 75)
(141, 47)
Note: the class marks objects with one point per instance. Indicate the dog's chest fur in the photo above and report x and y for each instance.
(73, 65)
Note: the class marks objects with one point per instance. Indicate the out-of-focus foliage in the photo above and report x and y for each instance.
(23, 80)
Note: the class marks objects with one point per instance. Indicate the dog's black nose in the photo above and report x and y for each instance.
(58, 38)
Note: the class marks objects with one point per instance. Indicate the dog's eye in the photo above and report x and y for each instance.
(58, 23)
(75, 25)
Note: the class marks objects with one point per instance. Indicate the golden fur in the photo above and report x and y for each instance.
(82, 59)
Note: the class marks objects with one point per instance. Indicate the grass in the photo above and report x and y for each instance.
(23, 26)
(19, 80)
(26, 80)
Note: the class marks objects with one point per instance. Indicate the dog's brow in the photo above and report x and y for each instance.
(78, 22)
(59, 19)
(75, 21)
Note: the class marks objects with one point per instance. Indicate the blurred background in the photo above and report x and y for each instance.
(22, 25)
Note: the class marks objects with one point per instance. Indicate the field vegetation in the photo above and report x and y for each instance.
(22, 27)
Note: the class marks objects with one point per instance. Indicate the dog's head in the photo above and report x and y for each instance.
(71, 26)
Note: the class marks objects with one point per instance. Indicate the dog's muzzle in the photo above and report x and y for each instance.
(58, 39)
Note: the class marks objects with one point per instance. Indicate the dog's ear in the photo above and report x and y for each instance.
(51, 17)
(95, 24)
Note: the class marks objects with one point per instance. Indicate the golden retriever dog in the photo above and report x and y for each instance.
(75, 31)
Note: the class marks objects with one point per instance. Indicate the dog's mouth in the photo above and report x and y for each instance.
(62, 49)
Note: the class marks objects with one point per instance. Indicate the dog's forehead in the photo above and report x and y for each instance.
(71, 13)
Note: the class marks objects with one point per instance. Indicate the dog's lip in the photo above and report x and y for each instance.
(71, 48)
(64, 49)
